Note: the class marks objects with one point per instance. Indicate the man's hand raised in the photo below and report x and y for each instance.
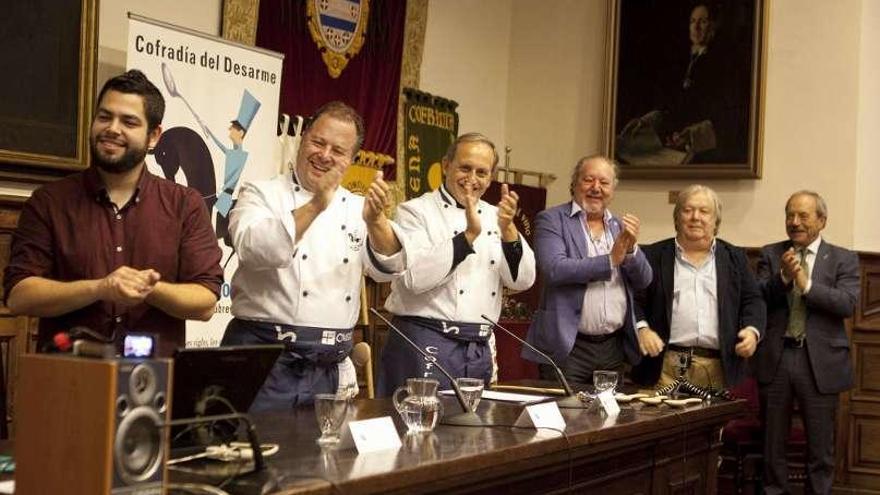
(507, 207)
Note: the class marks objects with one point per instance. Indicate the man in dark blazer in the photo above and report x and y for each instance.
(810, 287)
(591, 265)
(702, 314)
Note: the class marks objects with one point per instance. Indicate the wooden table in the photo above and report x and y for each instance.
(643, 450)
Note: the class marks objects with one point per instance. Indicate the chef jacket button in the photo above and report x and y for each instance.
(460, 292)
(305, 293)
(345, 260)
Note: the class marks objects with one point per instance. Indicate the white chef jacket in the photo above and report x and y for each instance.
(428, 288)
(315, 282)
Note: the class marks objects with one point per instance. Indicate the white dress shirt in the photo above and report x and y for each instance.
(694, 319)
(315, 282)
(428, 288)
(604, 308)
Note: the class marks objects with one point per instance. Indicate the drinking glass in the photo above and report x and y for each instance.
(330, 410)
(604, 380)
(420, 408)
(471, 390)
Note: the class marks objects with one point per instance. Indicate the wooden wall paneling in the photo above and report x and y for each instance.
(868, 312)
(17, 333)
(866, 357)
(857, 452)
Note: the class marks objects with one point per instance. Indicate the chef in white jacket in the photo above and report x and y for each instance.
(461, 253)
(304, 242)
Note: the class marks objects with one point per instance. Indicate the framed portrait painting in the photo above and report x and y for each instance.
(48, 54)
(685, 92)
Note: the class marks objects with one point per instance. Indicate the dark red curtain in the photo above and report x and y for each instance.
(370, 82)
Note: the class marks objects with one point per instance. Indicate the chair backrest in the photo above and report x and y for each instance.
(362, 357)
(748, 390)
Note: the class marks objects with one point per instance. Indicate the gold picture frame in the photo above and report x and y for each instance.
(50, 83)
(685, 88)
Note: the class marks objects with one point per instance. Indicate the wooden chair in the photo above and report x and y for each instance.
(742, 450)
(361, 356)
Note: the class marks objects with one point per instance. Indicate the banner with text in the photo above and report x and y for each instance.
(219, 130)
(430, 126)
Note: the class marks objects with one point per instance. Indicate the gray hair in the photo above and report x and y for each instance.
(821, 207)
(691, 191)
(576, 170)
(470, 137)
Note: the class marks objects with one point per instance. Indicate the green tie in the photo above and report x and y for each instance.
(797, 317)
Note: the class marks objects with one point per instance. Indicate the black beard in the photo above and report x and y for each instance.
(128, 161)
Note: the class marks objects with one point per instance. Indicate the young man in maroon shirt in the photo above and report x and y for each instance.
(115, 248)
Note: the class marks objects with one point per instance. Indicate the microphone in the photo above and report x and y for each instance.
(88, 348)
(73, 342)
(571, 401)
(468, 417)
(60, 343)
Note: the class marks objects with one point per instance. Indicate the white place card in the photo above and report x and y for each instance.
(371, 435)
(609, 403)
(544, 415)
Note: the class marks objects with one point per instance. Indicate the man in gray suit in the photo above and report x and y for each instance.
(810, 287)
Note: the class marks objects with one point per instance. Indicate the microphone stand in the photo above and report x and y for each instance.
(466, 418)
(571, 401)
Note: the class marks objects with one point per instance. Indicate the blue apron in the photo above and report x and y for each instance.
(461, 348)
(307, 367)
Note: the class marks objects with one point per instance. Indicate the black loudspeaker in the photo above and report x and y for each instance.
(91, 426)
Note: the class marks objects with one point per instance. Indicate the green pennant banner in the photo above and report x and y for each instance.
(431, 125)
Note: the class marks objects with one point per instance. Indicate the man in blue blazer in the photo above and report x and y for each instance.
(703, 314)
(590, 264)
(810, 287)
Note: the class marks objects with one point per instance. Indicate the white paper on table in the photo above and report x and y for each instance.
(506, 396)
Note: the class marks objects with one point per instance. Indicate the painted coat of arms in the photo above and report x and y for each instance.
(338, 27)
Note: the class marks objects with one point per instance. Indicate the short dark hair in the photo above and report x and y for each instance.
(340, 111)
(471, 137)
(135, 82)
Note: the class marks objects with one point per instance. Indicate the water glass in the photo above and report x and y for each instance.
(330, 410)
(471, 390)
(604, 380)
